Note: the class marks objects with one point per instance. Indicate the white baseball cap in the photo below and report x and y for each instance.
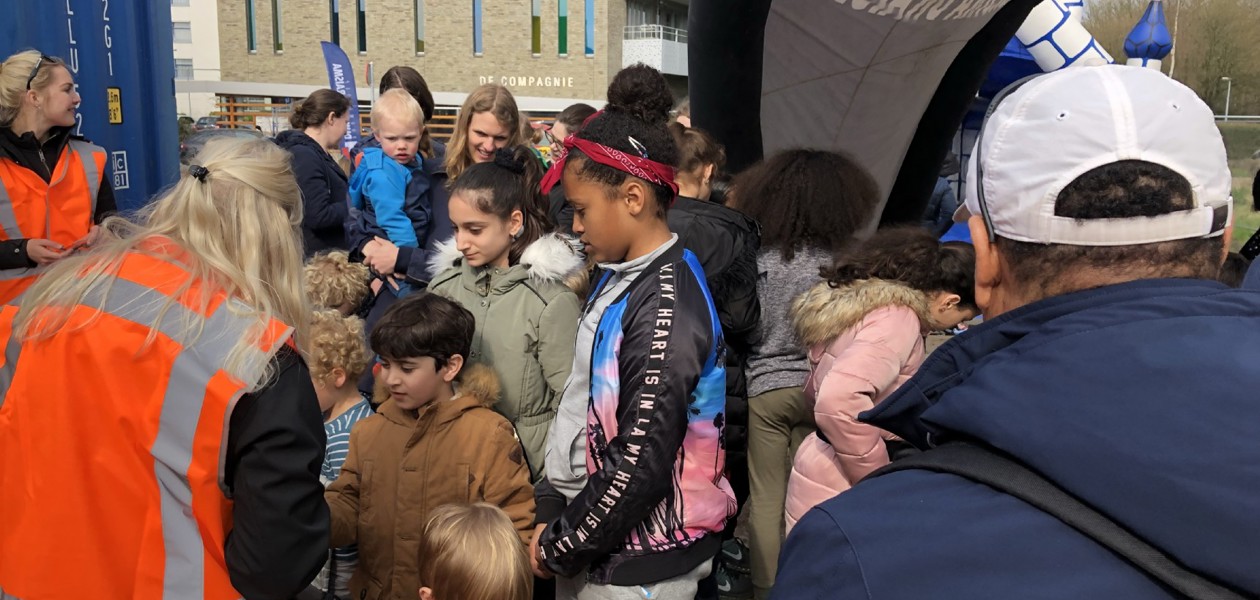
(1056, 127)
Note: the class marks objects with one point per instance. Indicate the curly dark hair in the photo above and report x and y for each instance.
(638, 107)
(912, 256)
(1129, 188)
(807, 198)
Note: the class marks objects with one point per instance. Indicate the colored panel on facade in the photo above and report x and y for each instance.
(334, 22)
(563, 13)
(251, 35)
(361, 19)
(535, 27)
(478, 49)
(590, 27)
(419, 26)
(277, 28)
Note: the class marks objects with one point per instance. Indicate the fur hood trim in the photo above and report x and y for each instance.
(823, 313)
(552, 258)
(480, 382)
(444, 256)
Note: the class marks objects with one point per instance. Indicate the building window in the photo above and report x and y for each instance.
(419, 27)
(563, 14)
(361, 20)
(277, 28)
(183, 69)
(334, 22)
(535, 28)
(251, 33)
(181, 32)
(179, 2)
(478, 49)
(590, 27)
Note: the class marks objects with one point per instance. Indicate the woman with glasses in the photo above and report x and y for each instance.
(54, 188)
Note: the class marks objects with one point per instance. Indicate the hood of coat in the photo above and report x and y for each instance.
(478, 388)
(553, 258)
(824, 312)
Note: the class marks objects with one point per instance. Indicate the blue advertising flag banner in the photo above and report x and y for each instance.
(341, 80)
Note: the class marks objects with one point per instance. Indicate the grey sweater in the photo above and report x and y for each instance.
(778, 361)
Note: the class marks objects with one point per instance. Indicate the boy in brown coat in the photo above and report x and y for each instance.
(435, 441)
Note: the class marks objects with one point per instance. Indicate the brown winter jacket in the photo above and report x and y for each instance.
(402, 466)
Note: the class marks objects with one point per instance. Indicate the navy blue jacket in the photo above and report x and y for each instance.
(325, 198)
(1139, 399)
(427, 191)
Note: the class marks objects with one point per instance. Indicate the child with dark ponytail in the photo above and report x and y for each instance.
(634, 499)
(864, 331)
(511, 274)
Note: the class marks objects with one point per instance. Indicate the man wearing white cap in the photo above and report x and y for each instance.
(1099, 435)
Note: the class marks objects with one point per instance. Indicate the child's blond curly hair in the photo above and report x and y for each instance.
(337, 342)
(332, 281)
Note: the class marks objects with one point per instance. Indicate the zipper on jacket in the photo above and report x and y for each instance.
(43, 162)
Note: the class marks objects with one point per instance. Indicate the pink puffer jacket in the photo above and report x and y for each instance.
(864, 341)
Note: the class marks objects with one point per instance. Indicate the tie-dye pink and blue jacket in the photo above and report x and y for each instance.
(656, 498)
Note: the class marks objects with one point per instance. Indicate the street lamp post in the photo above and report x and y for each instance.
(1229, 87)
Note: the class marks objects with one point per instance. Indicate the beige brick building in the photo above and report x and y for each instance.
(270, 48)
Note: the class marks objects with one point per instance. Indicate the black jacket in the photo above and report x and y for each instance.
(25, 150)
(726, 242)
(325, 194)
(280, 526)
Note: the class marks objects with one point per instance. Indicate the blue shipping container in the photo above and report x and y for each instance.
(120, 54)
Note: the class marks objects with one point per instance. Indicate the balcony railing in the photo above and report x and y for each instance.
(655, 32)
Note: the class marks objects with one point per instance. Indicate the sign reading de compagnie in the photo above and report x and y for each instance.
(527, 81)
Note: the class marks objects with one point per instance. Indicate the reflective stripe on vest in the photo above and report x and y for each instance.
(186, 572)
(60, 228)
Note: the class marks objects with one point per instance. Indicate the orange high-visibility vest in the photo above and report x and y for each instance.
(112, 453)
(60, 210)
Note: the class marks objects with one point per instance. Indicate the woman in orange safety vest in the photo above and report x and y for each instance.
(53, 184)
(160, 437)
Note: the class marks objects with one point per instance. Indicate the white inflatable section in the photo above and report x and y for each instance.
(1057, 39)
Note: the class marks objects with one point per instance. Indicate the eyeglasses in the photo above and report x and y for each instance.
(35, 71)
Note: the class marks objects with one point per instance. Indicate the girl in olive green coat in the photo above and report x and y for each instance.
(511, 274)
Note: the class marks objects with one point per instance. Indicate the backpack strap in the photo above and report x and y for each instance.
(984, 465)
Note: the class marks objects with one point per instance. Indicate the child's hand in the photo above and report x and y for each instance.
(534, 562)
(381, 255)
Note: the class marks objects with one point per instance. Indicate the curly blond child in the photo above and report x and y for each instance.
(474, 553)
(338, 357)
(332, 281)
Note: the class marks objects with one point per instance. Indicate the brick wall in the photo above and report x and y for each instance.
(448, 63)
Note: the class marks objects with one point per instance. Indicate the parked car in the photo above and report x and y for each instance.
(191, 146)
(206, 123)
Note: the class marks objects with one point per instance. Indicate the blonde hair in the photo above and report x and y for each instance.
(472, 552)
(397, 105)
(14, 72)
(491, 98)
(240, 231)
(337, 341)
(332, 281)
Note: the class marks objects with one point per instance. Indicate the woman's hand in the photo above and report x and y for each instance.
(381, 255)
(43, 252)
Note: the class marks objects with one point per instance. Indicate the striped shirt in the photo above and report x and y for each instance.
(338, 433)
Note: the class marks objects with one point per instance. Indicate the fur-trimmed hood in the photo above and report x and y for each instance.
(824, 312)
(478, 387)
(554, 258)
